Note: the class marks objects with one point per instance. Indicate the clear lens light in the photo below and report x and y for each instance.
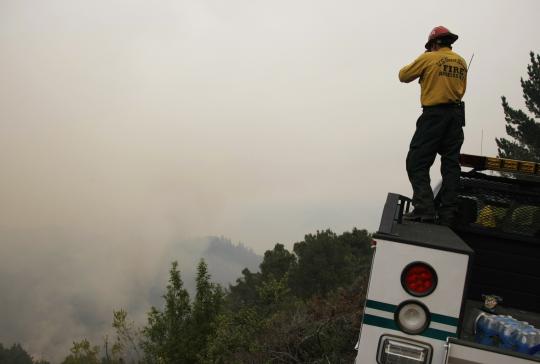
(412, 317)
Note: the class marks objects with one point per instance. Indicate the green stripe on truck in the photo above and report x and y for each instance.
(435, 317)
(381, 306)
(390, 324)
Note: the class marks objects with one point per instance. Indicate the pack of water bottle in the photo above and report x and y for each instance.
(508, 333)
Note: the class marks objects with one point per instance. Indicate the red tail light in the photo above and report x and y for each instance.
(419, 279)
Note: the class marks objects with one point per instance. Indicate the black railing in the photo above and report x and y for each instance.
(499, 206)
(396, 205)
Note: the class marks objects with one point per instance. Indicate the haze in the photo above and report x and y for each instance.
(130, 126)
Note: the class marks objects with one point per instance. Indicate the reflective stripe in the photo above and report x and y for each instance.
(381, 314)
(435, 317)
(381, 306)
(442, 327)
(446, 320)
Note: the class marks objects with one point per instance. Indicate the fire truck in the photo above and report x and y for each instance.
(462, 295)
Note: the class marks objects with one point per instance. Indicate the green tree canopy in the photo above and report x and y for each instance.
(14, 355)
(302, 307)
(244, 292)
(181, 332)
(277, 262)
(17, 355)
(206, 309)
(523, 130)
(166, 335)
(83, 352)
(126, 348)
(327, 261)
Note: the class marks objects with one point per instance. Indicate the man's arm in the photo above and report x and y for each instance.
(414, 70)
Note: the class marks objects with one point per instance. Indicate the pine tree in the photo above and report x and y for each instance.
(167, 335)
(15, 355)
(206, 308)
(325, 262)
(523, 130)
(277, 262)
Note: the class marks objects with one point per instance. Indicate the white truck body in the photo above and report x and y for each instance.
(385, 295)
(494, 249)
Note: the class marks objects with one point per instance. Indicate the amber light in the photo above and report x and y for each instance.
(419, 279)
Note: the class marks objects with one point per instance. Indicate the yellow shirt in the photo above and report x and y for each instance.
(443, 76)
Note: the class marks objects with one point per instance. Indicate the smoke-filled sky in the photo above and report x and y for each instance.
(127, 125)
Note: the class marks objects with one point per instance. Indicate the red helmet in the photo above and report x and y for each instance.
(440, 32)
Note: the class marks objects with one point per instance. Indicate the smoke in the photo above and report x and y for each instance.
(128, 128)
(59, 286)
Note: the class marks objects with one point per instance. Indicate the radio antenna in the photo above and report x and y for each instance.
(470, 62)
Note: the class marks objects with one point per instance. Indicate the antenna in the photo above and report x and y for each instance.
(470, 62)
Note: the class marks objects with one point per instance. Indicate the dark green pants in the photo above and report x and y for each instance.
(439, 130)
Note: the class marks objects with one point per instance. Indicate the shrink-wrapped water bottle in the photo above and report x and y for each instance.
(487, 329)
(535, 350)
(503, 321)
(508, 334)
(526, 340)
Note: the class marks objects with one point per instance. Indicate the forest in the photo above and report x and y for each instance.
(302, 306)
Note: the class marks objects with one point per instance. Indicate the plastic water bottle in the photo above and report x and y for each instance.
(526, 340)
(508, 334)
(504, 320)
(480, 327)
(522, 338)
(487, 329)
(534, 349)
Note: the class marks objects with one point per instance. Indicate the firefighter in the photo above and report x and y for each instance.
(442, 75)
